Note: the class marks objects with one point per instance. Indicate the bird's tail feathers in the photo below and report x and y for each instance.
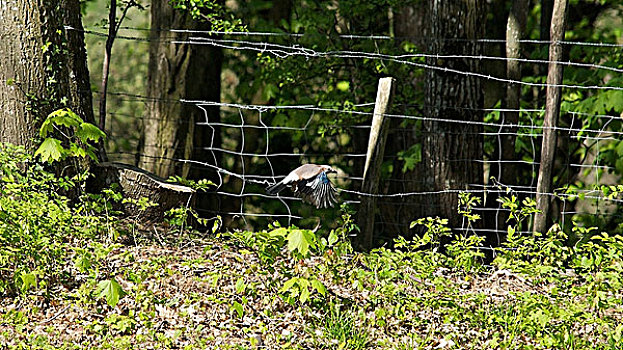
(276, 188)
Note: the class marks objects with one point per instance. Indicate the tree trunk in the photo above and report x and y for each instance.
(45, 65)
(514, 31)
(451, 150)
(178, 71)
(507, 171)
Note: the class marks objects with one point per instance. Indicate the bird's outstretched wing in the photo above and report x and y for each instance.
(309, 182)
(318, 191)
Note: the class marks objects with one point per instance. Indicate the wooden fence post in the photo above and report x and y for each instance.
(552, 109)
(374, 159)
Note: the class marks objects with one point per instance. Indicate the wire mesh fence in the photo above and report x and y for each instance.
(259, 144)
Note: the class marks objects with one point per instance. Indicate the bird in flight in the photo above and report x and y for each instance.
(309, 182)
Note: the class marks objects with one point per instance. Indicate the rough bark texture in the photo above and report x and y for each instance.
(43, 79)
(178, 71)
(135, 184)
(451, 150)
(78, 70)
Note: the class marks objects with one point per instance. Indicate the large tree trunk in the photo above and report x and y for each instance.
(451, 151)
(178, 71)
(45, 63)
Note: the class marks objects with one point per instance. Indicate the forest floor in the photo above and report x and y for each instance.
(219, 293)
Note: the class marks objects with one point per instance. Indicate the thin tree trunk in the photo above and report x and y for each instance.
(79, 83)
(507, 171)
(112, 24)
(514, 31)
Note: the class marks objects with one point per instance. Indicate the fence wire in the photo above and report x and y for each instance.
(243, 173)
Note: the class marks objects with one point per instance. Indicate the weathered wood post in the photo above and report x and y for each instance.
(374, 159)
(552, 109)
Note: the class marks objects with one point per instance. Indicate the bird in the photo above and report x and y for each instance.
(309, 182)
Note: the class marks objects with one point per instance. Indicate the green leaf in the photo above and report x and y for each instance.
(299, 241)
(65, 117)
(305, 293)
(238, 308)
(88, 131)
(77, 151)
(411, 157)
(83, 263)
(111, 290)
(279, 232)
(270, 91)
(46, 127)
(332, 237)
(28, 280)
(319, 286)
(240, 285)
(343, 85)
(50, 150)
(288, 284)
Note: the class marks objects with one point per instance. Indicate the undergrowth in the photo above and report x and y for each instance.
(69, 282)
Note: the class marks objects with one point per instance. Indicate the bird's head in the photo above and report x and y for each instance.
(328, 169)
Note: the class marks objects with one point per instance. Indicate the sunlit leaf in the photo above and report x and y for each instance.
(319, 286)
(236, 306)
(111, 290)
(50, 150)
(88, 131)
(297, 240)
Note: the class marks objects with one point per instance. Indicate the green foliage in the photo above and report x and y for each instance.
(287, 250)
(337, 243)
(200, 185)
(110, 290)
(299, 244)
(340, 330)
(210, 11)
(300, 241)
(37, 224)
(600, 260)
(410, 157)
(518, 211)
(76, 135)
(538, 292)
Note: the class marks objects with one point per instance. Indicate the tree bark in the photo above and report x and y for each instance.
(514, 31)
(451, 150)
(135, 183)
(45, 63)
(178, 71)
(507, 170)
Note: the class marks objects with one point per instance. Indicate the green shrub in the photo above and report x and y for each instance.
(37, 224)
